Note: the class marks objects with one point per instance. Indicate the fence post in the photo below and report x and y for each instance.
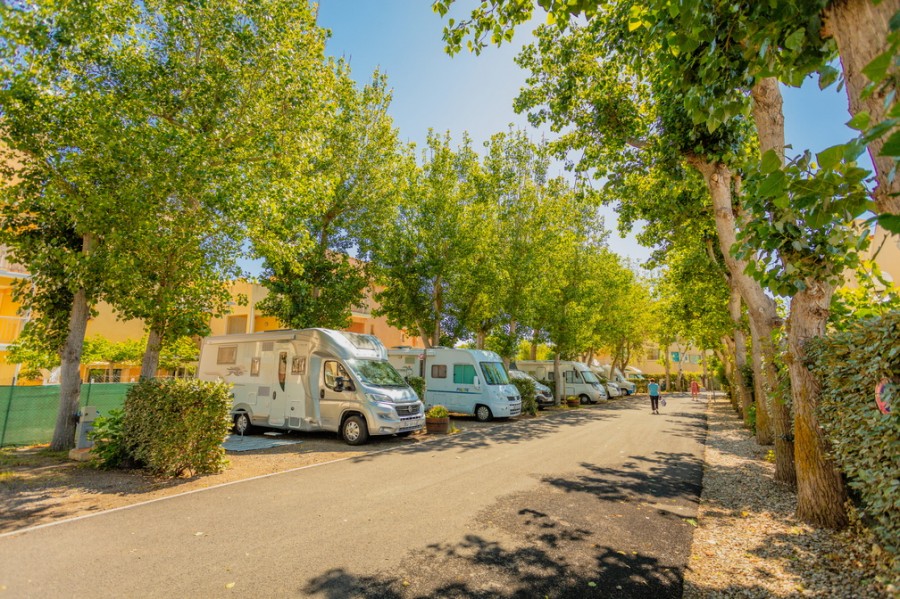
(87, 400)
(6, 416)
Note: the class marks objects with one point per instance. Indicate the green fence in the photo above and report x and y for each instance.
(28, 414)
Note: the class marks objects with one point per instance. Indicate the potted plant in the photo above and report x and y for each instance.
(437, 420)
(572, 401)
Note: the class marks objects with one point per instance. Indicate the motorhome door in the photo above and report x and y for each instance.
(280, 389)
(331, 395)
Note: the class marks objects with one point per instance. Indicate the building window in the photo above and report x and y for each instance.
(237, 325)
(438, 371)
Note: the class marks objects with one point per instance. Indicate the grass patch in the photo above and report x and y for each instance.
(31, 457)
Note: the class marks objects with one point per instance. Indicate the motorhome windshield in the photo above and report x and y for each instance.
(377, 373)
(494, 374)
(589, 377)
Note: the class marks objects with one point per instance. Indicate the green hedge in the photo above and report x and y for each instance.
(527, 391)
(865, 442)
(177, 426)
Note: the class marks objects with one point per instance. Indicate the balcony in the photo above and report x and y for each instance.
(9, 268)
(10, 328)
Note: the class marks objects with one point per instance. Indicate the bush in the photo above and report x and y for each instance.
(437, 412)
(178, 425)
(111, 448)
(418, 385)
(863, 441)
(527, 391)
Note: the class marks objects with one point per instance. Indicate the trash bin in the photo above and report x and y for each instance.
(86, 418)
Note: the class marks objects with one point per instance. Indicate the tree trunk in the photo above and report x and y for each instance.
(821, 492)
(763, 321)
(438, 309)
(534, 344)
(741, 390)
(150, 362)
(423, 334)
(560, 385)
(70, 374)
(479, 340)
(668, 369)
(860, 29)
(768, 114)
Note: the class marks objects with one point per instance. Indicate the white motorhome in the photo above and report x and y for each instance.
(616, 376)
(577, 377)
(466, 381)
(312, 380)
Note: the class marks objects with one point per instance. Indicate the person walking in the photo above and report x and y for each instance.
(653, 390)
(695, 390)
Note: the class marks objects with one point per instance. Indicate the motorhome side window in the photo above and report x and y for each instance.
(438, 371)
(333, 370)
(226, 355)
(254, 366)
(571, 376)
(463, 374)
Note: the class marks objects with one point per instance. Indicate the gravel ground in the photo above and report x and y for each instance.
(748, 542)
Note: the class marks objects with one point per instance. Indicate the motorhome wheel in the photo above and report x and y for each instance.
(354, 431)
(482, 413)
(584, 399)
(242, 424)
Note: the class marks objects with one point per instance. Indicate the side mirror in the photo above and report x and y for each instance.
(339, 384)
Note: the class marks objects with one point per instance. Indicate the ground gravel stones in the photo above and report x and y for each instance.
(748, 543)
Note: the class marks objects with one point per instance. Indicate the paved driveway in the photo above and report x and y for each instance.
(591, 502)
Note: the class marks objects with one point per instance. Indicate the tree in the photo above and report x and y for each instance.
(428, 239)
(354, 189)
(134, 121)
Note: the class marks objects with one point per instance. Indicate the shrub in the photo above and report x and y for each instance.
(437, 412)
(863, 441)
(111, 447)
(178, 425)
(418, 385)
(527, 391)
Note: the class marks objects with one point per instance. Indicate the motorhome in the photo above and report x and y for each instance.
(312, 380)
(616, 376)
(577, 378)
(465, 381)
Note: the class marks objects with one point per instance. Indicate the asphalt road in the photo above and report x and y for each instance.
(597, 502)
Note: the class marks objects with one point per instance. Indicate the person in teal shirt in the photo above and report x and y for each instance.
(653, 390)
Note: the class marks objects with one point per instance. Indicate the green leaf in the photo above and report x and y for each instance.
(877, 69)
(890, 222)
(830, 157)
(860, 122)
(892, 145)
(795, 40)
(773, 185)
(770, 162)
(827, 76)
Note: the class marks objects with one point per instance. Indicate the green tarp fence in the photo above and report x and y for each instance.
(28, 414)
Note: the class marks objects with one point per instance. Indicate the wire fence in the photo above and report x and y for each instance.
(28, 414)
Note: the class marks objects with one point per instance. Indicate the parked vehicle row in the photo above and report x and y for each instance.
(324, 380)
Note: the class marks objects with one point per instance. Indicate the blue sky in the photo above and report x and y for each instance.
(402, 38)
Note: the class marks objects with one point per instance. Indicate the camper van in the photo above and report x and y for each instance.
(466, 381)
(578, 378)
(312, 380)
(615, 376)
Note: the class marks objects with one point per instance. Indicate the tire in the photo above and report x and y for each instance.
(354, 431)
(483, 413)
(242, 424)
(584, 399)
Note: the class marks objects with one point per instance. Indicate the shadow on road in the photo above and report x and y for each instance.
(502, 432)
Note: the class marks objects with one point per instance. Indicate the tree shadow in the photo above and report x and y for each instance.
(504, 432)
(665, 476)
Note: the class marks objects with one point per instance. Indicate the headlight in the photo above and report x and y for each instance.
(378, 398)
